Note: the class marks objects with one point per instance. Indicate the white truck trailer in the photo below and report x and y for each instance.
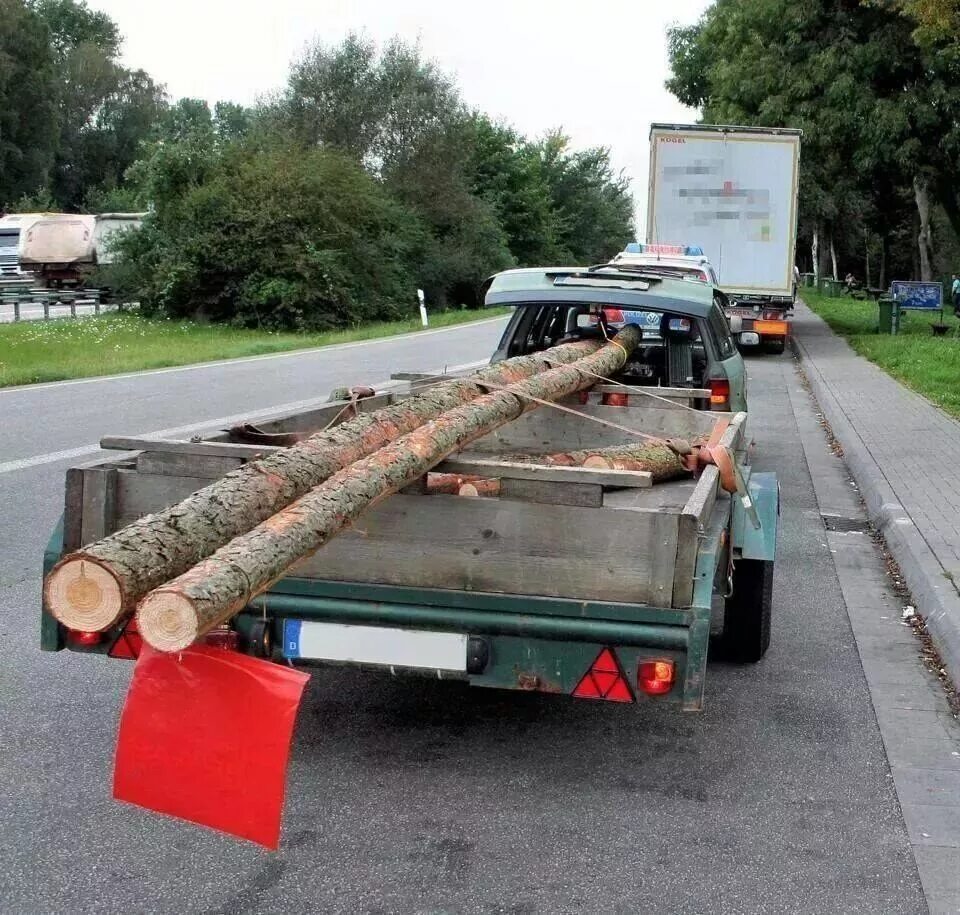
(732, 191)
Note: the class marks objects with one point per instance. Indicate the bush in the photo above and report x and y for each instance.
(279, 237)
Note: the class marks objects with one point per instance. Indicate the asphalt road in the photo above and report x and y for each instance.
(423, 796)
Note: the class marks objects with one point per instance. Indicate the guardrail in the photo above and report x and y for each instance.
(54, 302)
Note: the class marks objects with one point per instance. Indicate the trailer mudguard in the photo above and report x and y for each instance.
(752, 542)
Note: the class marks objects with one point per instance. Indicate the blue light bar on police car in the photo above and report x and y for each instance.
(636, 247)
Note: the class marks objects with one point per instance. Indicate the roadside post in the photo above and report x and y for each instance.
(423, 309)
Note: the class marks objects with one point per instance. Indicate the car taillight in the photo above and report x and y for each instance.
(614, 399)
(719, 393)
(656, 677)
(613, 315)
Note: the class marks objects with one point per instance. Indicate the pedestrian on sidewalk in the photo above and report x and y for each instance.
(955, 294)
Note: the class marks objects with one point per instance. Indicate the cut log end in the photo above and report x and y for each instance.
(167, 620)
(83, 595)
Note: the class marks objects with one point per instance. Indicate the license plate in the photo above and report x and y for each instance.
(374, 645)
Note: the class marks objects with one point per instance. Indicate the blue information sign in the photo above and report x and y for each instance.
(917, 295)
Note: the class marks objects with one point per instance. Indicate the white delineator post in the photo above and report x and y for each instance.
(423, 309)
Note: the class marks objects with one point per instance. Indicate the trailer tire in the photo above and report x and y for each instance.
(776, 347)
(748, 611)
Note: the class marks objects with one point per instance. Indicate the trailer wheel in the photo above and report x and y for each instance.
(776, 346)
(748, 610)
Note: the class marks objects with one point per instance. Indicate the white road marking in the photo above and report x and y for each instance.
(53, 457)
(333, 347)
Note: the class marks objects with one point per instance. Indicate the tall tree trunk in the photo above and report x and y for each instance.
(91, 589)
(884, 247)
(833, 257)
(815, 253)
(924, 236)
(174, 616)
(866, 251)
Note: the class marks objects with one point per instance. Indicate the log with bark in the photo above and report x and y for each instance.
(460, 484)
(656, 458)
(95, 587)
(210, 593)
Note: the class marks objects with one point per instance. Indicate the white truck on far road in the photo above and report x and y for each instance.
(732, 191)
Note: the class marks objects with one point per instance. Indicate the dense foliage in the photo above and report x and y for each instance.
(364, 178)
(872, 84)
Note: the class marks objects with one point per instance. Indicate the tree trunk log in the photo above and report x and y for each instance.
(833, 257)
(460, 484)
(815, 253)
(174, 616)
(924, 236)
(94, 587)
(660, 461)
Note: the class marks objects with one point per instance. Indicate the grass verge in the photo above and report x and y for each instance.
(930, 365)
(35, 351)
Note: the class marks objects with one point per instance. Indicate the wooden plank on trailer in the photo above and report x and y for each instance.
(73, 510)
(138, 494)
(669, 393)
(210, 449)
(696, 516)
(552, 493)
(172, 463)
(98, 514)
(503, 546)
(519, 471)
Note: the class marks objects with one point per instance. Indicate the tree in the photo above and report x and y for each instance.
(507, 172)
(27, 113)
(849, 75)
(593, 206)
(104, 110)
(276, 237)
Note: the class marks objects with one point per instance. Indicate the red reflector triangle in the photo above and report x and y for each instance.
(604, 680)
(606, 661)
(619, 692)
(127, 645)
(587, 688)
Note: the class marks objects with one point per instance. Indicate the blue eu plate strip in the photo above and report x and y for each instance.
(291, 638)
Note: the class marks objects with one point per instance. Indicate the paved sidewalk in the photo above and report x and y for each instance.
(897, 446)
(903, 451)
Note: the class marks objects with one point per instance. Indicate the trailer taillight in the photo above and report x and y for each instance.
(84, 639)
(656, 677)
(719, 393)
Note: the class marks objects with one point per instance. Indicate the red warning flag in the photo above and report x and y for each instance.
(604, 680)
(205, 736)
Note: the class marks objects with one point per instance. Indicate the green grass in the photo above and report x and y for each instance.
(35, 351)
(930, 365)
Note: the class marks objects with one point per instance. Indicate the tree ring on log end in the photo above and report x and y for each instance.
(83, 595)
(167, 620)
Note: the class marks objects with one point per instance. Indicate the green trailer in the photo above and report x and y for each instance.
(583, 582)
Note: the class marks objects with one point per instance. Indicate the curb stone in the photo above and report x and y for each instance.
(935, 596)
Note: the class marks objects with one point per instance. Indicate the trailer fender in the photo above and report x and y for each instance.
(752, 542)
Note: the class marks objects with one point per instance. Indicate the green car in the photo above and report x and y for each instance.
(687, 341)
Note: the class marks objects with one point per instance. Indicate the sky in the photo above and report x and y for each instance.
(595, 69)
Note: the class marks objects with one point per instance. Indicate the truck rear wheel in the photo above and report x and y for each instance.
(748, 610)
(776, 346)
